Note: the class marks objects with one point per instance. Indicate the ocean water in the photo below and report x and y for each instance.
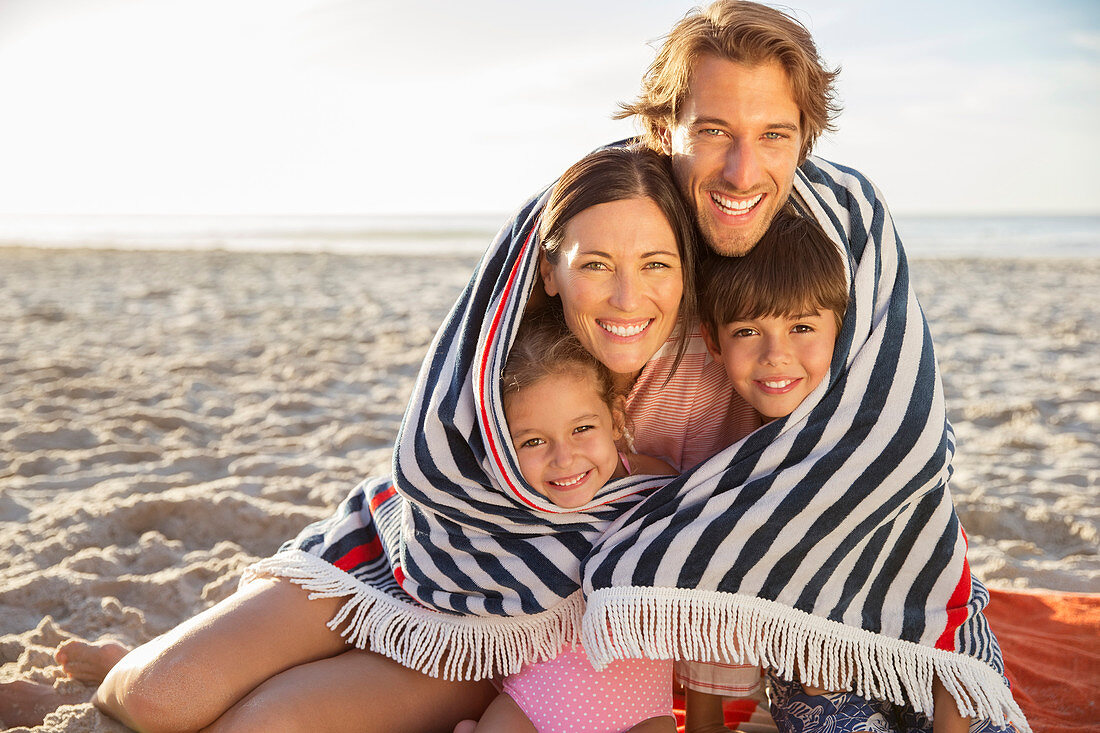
(923, 236)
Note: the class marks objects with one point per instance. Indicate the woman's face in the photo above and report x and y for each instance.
(620, 281)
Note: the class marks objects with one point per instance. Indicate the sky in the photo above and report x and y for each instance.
(379, 107)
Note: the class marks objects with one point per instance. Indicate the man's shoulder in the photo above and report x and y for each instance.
(822, 171)
(843, 185)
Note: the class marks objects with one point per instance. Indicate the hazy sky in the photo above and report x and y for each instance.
(363, 106)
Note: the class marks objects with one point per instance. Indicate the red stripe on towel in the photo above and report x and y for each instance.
(482, 392)
(359, 555)
(380, 497)
(957, 608)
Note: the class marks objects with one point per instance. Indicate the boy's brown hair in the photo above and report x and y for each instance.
(794, 269)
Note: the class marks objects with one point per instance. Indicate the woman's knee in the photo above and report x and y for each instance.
(149, 691)
(190, 676)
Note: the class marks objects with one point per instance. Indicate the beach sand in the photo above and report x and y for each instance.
(167, 418)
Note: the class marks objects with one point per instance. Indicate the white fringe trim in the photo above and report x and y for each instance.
(435, 643)
(673, 623)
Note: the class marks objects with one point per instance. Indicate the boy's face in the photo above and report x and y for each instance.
(775, 362)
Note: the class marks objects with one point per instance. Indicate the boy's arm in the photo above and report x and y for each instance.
(703, 713)
(945, 713)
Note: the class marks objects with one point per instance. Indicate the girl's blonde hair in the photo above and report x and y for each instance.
(545, 347)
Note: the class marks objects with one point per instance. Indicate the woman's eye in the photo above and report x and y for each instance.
(594, 266)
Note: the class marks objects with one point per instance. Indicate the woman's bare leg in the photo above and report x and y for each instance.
(504, 715)
(187, 678)
(355, 692)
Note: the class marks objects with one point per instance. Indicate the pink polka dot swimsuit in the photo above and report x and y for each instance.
(566, 695)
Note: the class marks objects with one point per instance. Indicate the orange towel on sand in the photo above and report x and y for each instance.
(1051, 645)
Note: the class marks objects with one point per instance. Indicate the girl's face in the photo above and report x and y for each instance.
(775, 362)
(564, 437)
(620, 280)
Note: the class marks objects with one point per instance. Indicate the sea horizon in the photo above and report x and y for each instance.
(936, 236)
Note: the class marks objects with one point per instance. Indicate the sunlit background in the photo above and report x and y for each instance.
(362, 107)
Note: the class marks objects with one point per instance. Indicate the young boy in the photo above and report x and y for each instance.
(772, 317)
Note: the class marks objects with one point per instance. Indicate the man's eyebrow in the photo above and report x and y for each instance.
(710, 121)
(789, 126)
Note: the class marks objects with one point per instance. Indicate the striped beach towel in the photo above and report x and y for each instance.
(824, 545)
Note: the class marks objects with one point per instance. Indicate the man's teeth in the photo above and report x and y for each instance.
(570, 481)
(733, 206)
(778, 385)
(624, 330)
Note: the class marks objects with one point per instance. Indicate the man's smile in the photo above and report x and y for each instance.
(733, 206)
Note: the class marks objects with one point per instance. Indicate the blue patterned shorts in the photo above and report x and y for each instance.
(845, 712)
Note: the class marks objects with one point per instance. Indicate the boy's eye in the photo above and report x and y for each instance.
(532, 443)
(743, 332)
(802, 328)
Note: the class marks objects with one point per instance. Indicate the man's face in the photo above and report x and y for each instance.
(734, 148)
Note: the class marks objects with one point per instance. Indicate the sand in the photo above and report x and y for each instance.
(168, 418)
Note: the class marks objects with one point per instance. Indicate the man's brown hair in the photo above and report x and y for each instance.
(742, 32)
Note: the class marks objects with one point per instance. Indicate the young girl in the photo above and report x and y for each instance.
(565, 419)
(772, 318)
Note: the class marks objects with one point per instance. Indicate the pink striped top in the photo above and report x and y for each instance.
(691, 417)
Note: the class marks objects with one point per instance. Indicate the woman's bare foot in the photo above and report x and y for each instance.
(26, 703)
(89, 661)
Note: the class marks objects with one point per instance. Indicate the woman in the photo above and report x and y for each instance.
(272, 657)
